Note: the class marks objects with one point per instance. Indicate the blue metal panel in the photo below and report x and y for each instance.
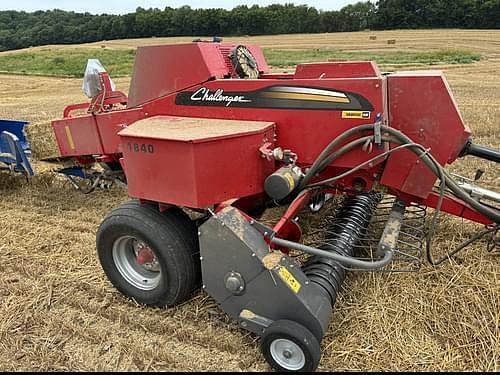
(14, 147)
(16, 127)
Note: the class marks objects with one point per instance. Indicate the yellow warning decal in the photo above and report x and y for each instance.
(289, 279)
(69, 136)
(356, 114)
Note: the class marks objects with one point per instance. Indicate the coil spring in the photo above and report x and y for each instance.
(343, 234)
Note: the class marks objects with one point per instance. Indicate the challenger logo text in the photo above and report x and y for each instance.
(206, 95)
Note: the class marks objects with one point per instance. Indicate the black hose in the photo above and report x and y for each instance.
(344, 259)
(344, 149)
(317, 165)
(327, 156)
(401, 139)
(481, 152)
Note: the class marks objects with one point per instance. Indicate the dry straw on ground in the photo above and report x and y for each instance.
(58, 311)
(45, 146)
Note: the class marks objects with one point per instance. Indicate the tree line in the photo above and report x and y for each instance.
(23, 29)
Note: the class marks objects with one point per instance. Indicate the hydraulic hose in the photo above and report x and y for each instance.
(317, 165)
(345, 260)
(435, 167)
(326, 157)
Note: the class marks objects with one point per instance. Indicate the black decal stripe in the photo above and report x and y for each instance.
(297, 97)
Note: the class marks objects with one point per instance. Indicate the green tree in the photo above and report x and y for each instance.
(23, 29)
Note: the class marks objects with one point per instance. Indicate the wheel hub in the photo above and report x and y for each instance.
(288, 354)
(146, 257)
(137, 263)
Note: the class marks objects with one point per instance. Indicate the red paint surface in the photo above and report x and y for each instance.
(419, 104)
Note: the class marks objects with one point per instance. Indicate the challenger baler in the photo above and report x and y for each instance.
(208, 139)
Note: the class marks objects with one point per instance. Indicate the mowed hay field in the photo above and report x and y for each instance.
(59, 312)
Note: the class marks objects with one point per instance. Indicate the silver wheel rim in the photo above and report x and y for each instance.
(288, 354)
(127, 252)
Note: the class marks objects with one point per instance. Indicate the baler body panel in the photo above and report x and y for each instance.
(304, 122)
(351, 69)
(110, 123)
(78, 136)
(195, 162)
(308, 108)
(164, 69)
(432, 120)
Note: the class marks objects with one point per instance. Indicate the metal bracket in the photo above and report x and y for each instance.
(378, 129)
(389, 239)
(266, 151)
(253, 322)
(262, 229)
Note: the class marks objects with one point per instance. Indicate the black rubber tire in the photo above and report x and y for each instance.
(171, 235)
(301, 336)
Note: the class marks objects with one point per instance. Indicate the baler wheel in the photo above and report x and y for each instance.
(150, 256)
(290, 347)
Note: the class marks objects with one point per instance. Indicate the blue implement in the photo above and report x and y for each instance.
(14, 148)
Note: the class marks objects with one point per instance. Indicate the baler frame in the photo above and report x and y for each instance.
(229, 140)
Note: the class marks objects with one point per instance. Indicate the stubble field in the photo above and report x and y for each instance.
(59, 312)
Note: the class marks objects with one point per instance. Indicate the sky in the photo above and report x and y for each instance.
(126, 6)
